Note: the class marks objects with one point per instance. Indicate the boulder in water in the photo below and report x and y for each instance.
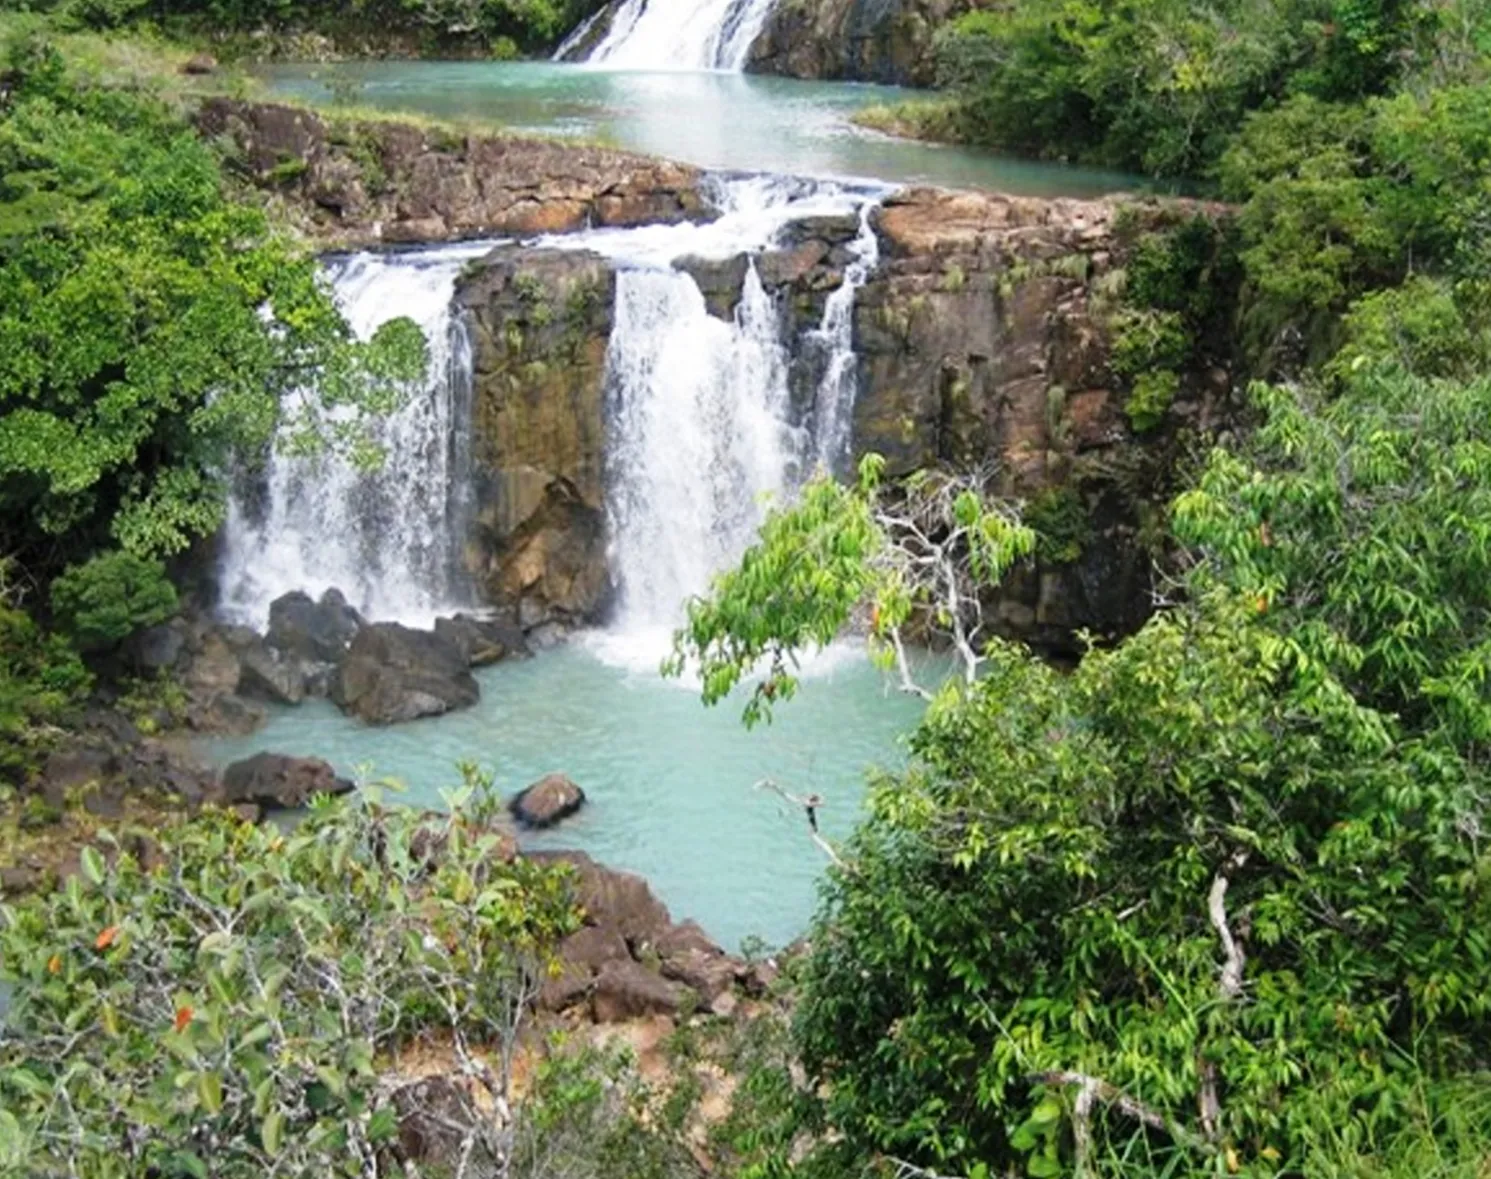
(274, 780)
(549, 800)
(482, 640)
(395, 673)
(316, 631)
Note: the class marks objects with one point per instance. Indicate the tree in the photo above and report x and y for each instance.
(910, 557)
(1218, 894)
(152, 332)
(105, 600)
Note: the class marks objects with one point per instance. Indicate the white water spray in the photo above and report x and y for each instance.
(385, 538)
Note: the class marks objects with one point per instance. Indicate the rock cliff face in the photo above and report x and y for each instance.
(359, 183)
(984, 339)
(887, 41)
(540, 321)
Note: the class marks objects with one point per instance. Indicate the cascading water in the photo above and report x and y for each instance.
(388, 538)
(674, 34)
(704, 433)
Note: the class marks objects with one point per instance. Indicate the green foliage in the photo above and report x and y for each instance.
(107, 598)
(1034, 899)
(1341, 201)
(1058, 517)
(231, 1014)
(794, 589)
(1361, 522)
(502, 26)
(149, 329)
(895, 556)
(1160, 86)
(40, 677)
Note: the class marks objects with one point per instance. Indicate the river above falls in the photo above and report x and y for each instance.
(671, 784)
(717, 120)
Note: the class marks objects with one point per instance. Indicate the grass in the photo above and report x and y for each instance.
(933, 119)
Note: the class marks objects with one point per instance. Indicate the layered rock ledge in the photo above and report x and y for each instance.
(356, 183)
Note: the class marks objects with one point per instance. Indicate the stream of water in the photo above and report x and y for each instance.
(715, 119)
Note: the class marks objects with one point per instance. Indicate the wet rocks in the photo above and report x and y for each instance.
(395, 673)
(886, 41)
(550, 800)
(316, 631)
(482, 641)
(540, 323)
(274, 780)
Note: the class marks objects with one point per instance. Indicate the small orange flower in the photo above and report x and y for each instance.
(1260, 604)
(54, 964)
(106, 938)
(183, 1017)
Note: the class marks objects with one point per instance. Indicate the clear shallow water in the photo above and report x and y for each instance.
(671, 784)
(717, 120)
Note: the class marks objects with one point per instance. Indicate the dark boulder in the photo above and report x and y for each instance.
(581, 957)
(394, 673)
(625, 989)
(76, 766)
(271, 675)
(226, 714)
(274, 780)
(199, 64)
(622, 901)
(316, 631)
(482, 641)
(548, 801)
(158, 648)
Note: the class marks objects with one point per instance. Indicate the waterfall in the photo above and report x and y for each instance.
(701, 434)
(704, 433)
(676, 34)
(387, 538)
(833, 404)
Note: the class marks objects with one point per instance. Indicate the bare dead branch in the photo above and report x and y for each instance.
(810, 804)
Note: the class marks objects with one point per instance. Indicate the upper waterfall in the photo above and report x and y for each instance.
(674, 34)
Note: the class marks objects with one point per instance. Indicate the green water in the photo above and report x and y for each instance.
(671, 784)
(715, 120)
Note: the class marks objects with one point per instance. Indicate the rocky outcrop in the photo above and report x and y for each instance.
(364, 182)
(395, 673)
(274, 781)
(629, 959)
(887, 41)
(984, 339)
(540, 321)
(550, 800)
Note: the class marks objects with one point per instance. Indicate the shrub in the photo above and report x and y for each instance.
(232, 1012)
(105, 600)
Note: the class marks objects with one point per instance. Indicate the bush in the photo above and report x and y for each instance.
(233, 1013)
(1181, 900)
(40, 678)
(105, 600)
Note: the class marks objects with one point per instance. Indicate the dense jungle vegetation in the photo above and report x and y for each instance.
(1218, 901)
(483, 28)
